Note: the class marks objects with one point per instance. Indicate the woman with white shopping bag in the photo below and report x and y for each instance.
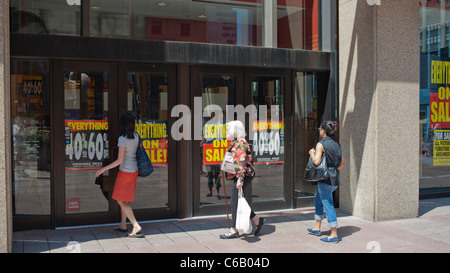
(241, 179)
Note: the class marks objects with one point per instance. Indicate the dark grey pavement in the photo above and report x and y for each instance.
(283, 232)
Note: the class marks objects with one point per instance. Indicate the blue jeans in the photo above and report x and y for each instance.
(324, 201)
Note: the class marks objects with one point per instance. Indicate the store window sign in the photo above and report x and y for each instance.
(73, 2)
(86, 143)
(214, 143)
(441, 150)
(154, 138)
(440, 94)
(73, 204)
(267, 143)
(439, 115)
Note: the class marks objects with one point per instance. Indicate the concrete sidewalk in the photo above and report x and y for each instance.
(283, 232)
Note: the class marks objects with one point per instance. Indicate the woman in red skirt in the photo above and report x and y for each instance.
(128, 172)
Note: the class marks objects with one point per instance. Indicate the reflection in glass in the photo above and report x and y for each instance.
(147, 100)
(239, 22)
(86, 139)
(267, 142)
(306, 122)
(55, 17)
(298, 24)
(434, 96)
(217, 92)
(221, 22)
(235, 22)
(30, 119)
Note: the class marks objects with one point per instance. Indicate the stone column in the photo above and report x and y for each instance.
(5, 133)
(270, 23)
(379, 108)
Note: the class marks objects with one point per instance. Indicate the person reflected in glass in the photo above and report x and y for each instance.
(239, 146)
(125, 184)
(213, 132)
(18, 144)
(324, 198)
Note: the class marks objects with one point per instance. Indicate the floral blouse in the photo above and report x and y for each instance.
(239, 148)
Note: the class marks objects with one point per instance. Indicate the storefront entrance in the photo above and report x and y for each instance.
(75, 132)
(85, 126)
(254, 91)
(69, 129)
(95, 95)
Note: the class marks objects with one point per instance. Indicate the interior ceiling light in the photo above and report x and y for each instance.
(96, 7)
(202, 16)
(162, 4)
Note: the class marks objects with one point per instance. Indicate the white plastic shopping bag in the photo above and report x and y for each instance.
(243, 222)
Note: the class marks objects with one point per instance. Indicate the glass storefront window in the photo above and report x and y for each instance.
(295, 23)
(86, 139)
(291, 24)
(298, 24)
(267, 131)
(306, 122)
(30, 119)
(434, 96)
(218, 91)
(147, 100)
(55, 17)
(222, 22)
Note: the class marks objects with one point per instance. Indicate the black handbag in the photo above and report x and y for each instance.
(145, 167)
(317, 173)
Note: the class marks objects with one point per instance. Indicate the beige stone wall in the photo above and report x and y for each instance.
(379, 108)
(5, 136)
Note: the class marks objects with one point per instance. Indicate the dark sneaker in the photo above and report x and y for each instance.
(229, 235)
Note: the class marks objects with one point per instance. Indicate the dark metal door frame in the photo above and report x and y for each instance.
(60, 217)
(172, 210)
(288, 182)
(243, 96)
(117, 103)
(196, 72)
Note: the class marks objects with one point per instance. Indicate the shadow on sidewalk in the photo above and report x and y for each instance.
(343, 231)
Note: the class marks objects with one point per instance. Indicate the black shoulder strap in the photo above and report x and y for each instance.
(231, 145)
(322, 141)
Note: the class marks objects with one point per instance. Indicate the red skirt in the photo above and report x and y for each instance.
(124, 186)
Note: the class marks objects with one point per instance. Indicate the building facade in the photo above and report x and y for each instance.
(69, 69)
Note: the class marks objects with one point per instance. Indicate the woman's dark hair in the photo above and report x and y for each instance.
(330, 127)
(127, 125)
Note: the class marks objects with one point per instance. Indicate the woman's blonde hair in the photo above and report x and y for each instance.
(235, 129)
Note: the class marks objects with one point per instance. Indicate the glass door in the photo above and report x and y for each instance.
(148, 91)
(306, 123)
(270, 138)
(213, 89)
(31, 144)
(95, 95)
(256, 97)
(86, 126)
(312, 104)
